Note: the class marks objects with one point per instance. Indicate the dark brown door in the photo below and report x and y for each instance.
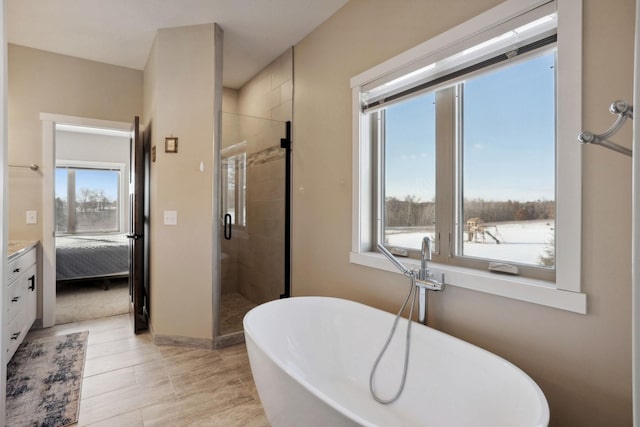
(138, 225)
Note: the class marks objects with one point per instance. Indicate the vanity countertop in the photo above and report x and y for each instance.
(18, 247)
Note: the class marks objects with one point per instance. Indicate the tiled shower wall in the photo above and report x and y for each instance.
(256, 256)
(269, 95)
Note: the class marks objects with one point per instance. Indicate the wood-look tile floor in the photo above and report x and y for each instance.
(130, 381)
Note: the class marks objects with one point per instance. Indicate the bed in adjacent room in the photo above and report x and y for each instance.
(83, 256)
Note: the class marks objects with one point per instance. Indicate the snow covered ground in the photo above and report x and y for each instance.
(520, 242)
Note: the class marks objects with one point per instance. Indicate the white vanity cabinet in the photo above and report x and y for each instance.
(22, 297)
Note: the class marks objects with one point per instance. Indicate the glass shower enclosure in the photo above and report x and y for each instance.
(253, 268)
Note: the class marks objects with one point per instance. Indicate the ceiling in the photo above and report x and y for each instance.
(121, 32)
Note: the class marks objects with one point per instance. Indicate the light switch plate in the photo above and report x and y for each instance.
(32, 217)
(170, 218)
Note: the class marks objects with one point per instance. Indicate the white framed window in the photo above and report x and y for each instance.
(469, 138)
(89, 197)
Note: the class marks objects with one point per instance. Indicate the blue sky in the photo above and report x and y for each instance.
(91, 179)
(508, 137)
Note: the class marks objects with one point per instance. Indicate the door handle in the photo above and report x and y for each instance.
(134, 236)
(32, 279)
(227, 226)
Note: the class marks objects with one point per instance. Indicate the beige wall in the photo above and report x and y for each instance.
(44, 82)
(582, 362)
(179, 101)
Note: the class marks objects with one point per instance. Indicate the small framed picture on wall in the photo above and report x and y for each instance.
(171, 145)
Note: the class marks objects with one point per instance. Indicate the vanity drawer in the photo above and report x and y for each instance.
(15, 330)
(15, 298)
(20, 264)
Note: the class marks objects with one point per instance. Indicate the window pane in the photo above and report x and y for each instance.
(409, 172)
(242, 189)
(97, 205)
(234, 188)
(229, 189)
(61, 200)
(508, 171)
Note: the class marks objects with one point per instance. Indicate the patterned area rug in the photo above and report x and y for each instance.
(44, 379)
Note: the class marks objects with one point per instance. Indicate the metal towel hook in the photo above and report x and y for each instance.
(624, 111)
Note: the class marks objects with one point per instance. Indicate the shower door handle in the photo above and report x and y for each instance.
(227, 226)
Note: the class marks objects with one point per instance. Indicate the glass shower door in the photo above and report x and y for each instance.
(253, 221)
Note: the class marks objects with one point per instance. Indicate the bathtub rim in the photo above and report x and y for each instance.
(542, 421)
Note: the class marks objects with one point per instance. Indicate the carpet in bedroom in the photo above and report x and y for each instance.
(77, 301)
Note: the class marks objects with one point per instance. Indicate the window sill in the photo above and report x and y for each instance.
(515, 287)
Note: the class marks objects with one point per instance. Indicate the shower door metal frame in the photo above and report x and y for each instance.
(286, 144)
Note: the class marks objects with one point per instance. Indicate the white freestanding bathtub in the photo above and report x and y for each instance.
(311, 358)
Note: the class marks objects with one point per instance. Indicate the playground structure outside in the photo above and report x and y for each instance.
(522, 242)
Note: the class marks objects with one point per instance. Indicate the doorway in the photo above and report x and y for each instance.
(91, 220)
(114, 217)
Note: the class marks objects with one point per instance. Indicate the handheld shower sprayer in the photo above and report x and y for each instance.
(393, 260)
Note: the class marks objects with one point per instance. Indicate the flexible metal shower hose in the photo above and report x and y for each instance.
(412, 281)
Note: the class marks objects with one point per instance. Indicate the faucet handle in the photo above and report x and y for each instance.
(430, 283)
